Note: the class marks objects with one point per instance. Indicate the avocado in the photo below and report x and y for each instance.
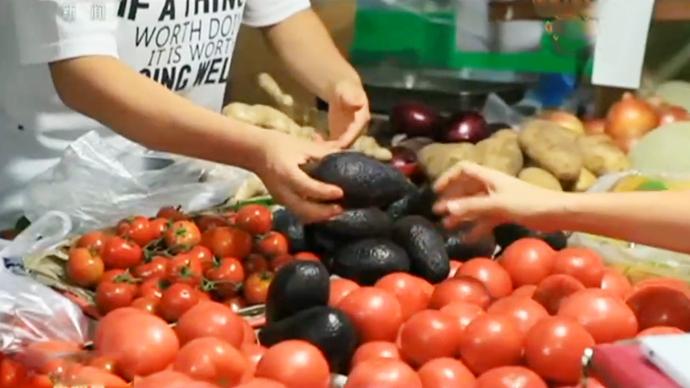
(557, 240)
(366, 261)
(297, 286)
(507, 234)
(327, 328)
(365, 181)
(287, 223)
(418, 201)
(460, 247)
(320, 241)
(425, 247)
(358, 224)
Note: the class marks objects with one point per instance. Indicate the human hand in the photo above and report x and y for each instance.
(348, 113)
(279, 170)
(470, 192)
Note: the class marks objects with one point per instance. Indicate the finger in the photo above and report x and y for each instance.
(353, 98)
(308, 187)
(307, 211)
(354, 129)
(486, 176)
(472, 206)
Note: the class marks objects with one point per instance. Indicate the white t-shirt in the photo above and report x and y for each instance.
(184, 44)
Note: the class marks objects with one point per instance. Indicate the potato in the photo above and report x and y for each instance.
(601, 156)
(540, 177)
(501, 152)
(585, 181)
(552, 148)
(436, 158)
(370, 147)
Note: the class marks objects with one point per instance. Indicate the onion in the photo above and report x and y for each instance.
(672, 113)
(405, 161)
(565, 119)
(595, 126)
(465, 127)
(414, 119)
(631, 118)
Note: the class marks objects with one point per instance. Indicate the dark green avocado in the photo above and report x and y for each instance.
(358, 224)
(507, 234)
(297, 286)
(425, 246)
(327, 328)
(287, 223)
(366, 261)
(460, 247)
(419, 201)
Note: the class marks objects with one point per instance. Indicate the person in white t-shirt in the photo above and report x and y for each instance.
(155, 71)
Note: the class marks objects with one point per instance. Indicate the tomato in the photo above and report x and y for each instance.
(146, 303)
(80, 375)
(249, 336)
(84, 268)
(383, 373)
(176, 300)
(227, 241)
(445, 373)
(454, 266)
(660, 305)
(554, 289)
(235, 303)
(255, 263)
(113, 295)
(607, 318)
(554, 348)
(211, 359)
(12, 373)
(137, 229)
(408, 289)
(376, 313)
(182, 236)
(121, 254)
(260, 382)
(140, 343)
(490, 273)
(340, 288)
(280, 260)
(668, 282)
(615, 282)
(152, 288)
(255, 288)
(528, 261)
(46, 357)
(185, 268)
(463, 313)
(204, 256)
(171, 213)
(253, 353)
(255, 219)
(524, 310)
(210, 319)
(105, 363)
(166, 378)
(307, 256)
(427, 335)
(527, 290)
(460, 289)
(296, 364)
(226, 277)
(273, 244)
(659, 330)
(158, 227)
(510, 377)
(583, 264)
(93, 241)
(206, 222)
(116, 275)
(490, 341)
(39, 381)
(375, 349)
(156, 268)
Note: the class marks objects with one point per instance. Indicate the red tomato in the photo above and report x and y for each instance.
(227, 241)
(185, 268)
(605, 317)
(151, 288)
(105, 363)
(113, 295)
(204, 256)
(260, 382)
(12, 373)
(84, 268)
(137, 229)
(140, 343)
(249, 336)
(454, 266)
(206, 222)
(146, 303)
(296, 364)
(554, 289)
(256, 287)
(227, 277)
(39, 381)
(280, 260)
(375, 349)
(554, 348)
(182, 236)
(255, 263)
(340, 288)
(211, 359)
(527, 291)
(660, 305)
(445, 373)
(176, 300)
(460, 289)
(253, 353)
(659, 330)
(235, 303)
(156, 268)
(383, 373)
(116, 275)
(490, 273)
(121, 254)
(583, 264)
(93, 241)
(255, 219)
(167, 378)
(427, 335)
(528, 261)
(210, 319)
(510, 377)
(79, 375)
(376, 313)
(307, 256)
(45, 357)
(171, 213)
(273, 244)
(463, 313)
(408, 289)
(158, 227)
(524, 310)
(668, 282)
(490, 341)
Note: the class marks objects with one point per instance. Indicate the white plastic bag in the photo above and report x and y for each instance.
(101, 180)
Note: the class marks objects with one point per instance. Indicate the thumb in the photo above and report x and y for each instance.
(471, 207)
(485, 176)
(351, 97)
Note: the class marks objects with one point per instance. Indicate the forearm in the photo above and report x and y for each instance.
(660, 219)
(106, 90)
(306, 47)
